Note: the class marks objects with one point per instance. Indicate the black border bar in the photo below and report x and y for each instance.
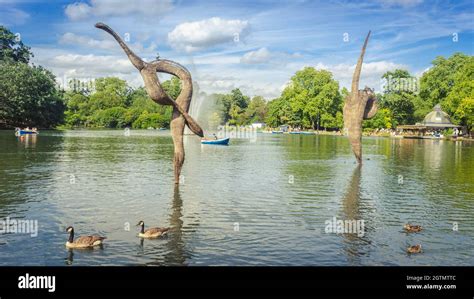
(300, 282)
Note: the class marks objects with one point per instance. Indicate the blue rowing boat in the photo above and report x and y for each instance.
(223, 141)
(302, 133)
(25, 132)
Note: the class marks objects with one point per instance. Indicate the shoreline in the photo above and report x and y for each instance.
(330, 133)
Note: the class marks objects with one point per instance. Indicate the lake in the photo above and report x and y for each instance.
(255, 202)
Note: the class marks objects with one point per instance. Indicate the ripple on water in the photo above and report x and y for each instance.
(251, 203)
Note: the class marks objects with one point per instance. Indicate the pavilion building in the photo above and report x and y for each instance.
(434, 122)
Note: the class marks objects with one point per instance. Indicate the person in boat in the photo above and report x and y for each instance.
(34, 129)
(208, 138)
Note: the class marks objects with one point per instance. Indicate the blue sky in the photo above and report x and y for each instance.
(254, 45)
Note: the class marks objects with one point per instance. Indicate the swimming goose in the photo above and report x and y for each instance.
(414, 249)
(153, 232)
(82, 241)
(412, 228)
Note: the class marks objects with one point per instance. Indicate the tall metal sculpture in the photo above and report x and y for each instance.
(180, 116)
(359, 105)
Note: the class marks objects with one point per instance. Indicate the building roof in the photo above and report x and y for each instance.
(438, 118)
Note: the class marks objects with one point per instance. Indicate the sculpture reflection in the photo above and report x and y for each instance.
(351, 210)
(174, 254)
(177, 253)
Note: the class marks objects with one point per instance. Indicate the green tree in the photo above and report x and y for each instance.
(314, 98)
(114, 117)
(109, 92)
(214, 120)
(76, 103)
(439, 80)
(12, 48)
(114, 104)
(450, 82)
(279, 112)
(256, 110)
(28, 96)
(153, 120)
(172, 87)
(465, 113)
(460, 100)
(382, 120)
(399, 96)
(232, 107)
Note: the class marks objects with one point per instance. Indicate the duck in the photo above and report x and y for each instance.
(83, 241)
(414, 249)
(412, 228)
(153, 232)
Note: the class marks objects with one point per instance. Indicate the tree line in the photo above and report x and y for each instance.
(111, 103)
(313, 99)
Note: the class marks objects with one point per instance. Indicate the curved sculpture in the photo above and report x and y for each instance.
(180, 116)
(359, 105)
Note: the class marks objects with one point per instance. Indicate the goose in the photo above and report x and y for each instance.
(412, 228)
(414, 249)
(153, 232)
(82, 241)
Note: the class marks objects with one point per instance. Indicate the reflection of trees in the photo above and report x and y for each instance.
(436, 159)
(351, 210)
(302, 147)
(18, 172)
(302, 155)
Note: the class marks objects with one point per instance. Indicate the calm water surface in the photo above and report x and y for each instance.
(251, 203)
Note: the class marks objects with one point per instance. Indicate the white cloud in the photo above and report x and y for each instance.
(370, 76)
(74, 39)
(220, 78)
(108, 44)
(110, 8)
(194, 36)
(216, 59)
(261, 55)
(92, 64)
(270, 81)
(78, 10)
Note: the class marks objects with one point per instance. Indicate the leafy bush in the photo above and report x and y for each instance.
(111, 118)
(147, 120)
